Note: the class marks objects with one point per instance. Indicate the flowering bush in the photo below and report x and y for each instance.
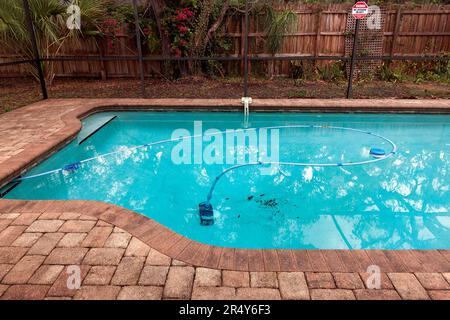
(111, 29)
(122, 23)
(118, 23)
(179, 20)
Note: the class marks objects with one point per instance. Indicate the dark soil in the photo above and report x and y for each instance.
(15, 93)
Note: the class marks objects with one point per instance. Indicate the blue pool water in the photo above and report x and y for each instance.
(398, 203)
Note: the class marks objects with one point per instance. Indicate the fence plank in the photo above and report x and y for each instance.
(396, 30)
(318, 33)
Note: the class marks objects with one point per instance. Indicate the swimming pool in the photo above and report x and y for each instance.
(401, 202)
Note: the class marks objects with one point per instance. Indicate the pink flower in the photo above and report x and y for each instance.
(181, 17)
(182, 29)
(177, 52)
(111, 22)
(188, 13)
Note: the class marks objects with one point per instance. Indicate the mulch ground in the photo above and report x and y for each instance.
(18, 92)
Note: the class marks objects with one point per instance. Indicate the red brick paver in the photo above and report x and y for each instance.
(237, 279)
(408, 286)
(154, 275)
(320, 280)
(293, 286)
(367, 294)
(205, 277)
(263, 280)
(179, 283)
(332, 294)
(99, 275)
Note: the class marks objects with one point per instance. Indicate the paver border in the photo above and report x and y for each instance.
(198, 254)
(178, 247)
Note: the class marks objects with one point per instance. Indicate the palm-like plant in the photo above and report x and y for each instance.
(49, 19)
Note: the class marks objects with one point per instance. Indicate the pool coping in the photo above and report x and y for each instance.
(198, 254)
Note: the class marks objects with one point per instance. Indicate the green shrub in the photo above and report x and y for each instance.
(391, 74)
(331, 72)
(302, 93)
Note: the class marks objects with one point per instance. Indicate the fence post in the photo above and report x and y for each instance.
(139, 47)
(352, 63)
(37, 58)
(246, 51)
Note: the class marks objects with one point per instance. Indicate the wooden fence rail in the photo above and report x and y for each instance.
(319, 31)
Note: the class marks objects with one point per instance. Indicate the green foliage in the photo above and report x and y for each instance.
(432, 71)
(331, 72)
(123, 15)
(278, 24)
(418, 72)
(179, 22)
(215, 69)
(390, 74)
(219, 44)
(301, 93)
(308, 70)
(49, 19)
(152, 40)
(7, 109)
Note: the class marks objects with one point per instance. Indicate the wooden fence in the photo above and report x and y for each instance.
(319, 31)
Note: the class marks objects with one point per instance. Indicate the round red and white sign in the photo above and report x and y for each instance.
(360, 10)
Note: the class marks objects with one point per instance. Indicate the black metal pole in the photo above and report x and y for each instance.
(352, 63)
(139, 47)
(37, 58)
(246, 50)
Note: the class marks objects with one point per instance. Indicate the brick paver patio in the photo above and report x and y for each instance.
(123, 255)
(37, 248)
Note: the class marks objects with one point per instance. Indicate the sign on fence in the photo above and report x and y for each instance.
(360, 10)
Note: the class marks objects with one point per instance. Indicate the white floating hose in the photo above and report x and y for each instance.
(74, 166)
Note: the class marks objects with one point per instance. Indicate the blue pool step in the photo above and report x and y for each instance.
(8, 188)
(93, 126)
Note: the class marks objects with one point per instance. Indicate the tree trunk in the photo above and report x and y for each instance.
(218, 22)
(200, 39)
(158, 7)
